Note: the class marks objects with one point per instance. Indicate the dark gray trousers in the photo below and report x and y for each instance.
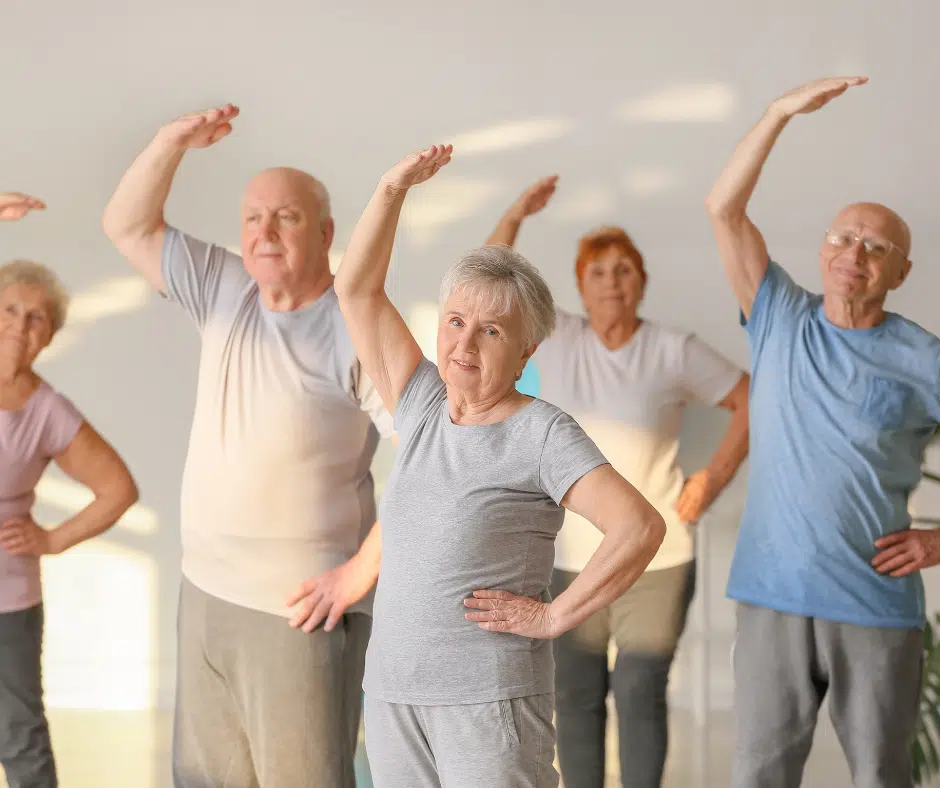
(25, 749)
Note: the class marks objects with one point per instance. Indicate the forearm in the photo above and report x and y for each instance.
(731, 451)
(136, 208)
(369, 252)
(733, 189)
(506, 231)
(618, 562)
(369, 554)
(96, 518)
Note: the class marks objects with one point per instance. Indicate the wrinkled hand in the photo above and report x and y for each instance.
(21, 536)
(417, 167)
(329, 595)
(904, 552)
(501, 611)
(535, 198)
(201, 129)
(14, 205)
(697, 495)
(814, 95)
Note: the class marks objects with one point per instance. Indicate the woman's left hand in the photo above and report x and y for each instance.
(697, 495)
(501, 611)
(21, 536)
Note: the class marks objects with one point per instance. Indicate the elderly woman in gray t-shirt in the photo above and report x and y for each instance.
(459, 669)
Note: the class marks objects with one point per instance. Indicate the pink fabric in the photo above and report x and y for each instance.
(29, 439)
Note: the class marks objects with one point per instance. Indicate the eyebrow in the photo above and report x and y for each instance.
(485, 321)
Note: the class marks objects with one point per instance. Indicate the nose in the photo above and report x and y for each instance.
(267, 228)
(468, 342)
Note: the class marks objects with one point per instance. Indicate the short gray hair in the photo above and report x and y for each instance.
(28, 272)
(506, 281)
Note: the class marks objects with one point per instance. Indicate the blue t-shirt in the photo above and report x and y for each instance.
(840, 419)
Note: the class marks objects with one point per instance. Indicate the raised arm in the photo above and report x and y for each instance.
(15, 205)
(384, 345)
(532, 200)
(740, 244)
(133, 219)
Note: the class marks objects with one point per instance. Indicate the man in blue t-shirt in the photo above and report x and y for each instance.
(844, 398)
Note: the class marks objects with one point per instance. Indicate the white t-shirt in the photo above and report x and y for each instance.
(630, 402)
(277, 485)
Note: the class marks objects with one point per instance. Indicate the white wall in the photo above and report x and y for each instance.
(635, 106)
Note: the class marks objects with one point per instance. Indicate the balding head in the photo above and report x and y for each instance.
(878, 220)
(865, 255)
(286, 229)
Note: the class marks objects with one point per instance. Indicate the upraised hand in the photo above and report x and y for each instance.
(814, 95)
(201, 129)
(14, 205)
(535, 198)
(417, 167)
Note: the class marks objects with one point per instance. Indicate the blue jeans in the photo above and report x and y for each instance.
(645, 624)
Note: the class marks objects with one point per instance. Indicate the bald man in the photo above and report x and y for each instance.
(277, 487)
(844, 398)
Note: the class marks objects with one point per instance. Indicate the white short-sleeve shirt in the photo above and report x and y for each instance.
(630, 401)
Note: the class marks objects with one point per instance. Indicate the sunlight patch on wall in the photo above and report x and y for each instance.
(99, 654)
(422, 319)
(336, 257)
(433, 206)
(646, 182)
(588, 203)
(70, 496)
(509, 136)
(708, 103)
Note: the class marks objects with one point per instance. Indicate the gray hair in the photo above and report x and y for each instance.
(32, 274)
(505, 281)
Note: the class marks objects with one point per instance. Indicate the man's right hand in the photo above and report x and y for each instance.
(813, 95)
(200, 129)
(14, 205)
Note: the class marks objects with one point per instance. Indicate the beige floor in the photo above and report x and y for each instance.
(131, 750)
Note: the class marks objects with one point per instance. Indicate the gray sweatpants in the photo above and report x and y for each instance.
(261, 705)
(503, 744)
(784, 665)
(25, 750)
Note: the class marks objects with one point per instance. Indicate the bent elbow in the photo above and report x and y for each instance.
(655, 532)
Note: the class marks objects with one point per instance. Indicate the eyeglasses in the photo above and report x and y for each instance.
(876, 248)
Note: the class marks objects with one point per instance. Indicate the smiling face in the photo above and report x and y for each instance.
(480, 354)
(286, 231)
(865, 254)
(25, 325)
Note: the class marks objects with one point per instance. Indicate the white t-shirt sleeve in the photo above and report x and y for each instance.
(371, 403)
(706, 375)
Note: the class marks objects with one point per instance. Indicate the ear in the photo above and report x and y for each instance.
(902, 274)
(328, 228)
(528, 353)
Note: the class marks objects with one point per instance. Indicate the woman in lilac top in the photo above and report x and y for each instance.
(37, 425)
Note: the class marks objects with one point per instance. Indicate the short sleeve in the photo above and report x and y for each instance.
(567, 455)
(548, 361)
(706, 375)
(197, 274)
(62, 423)
(371, 403)
(778, 301)
(423, 393)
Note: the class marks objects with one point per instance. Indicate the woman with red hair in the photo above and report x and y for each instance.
(626, 380)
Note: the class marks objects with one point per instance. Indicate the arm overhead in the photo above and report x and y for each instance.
(384, 345)
(133, 219)
(741, 246)
(531, 201)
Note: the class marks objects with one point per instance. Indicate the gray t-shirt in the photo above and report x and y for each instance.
(277, 486)
(467, 508)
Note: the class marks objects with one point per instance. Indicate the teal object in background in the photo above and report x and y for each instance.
(529, 383)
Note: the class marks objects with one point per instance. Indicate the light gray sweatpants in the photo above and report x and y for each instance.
(503, 744)
(261, 705)
(784, 665)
